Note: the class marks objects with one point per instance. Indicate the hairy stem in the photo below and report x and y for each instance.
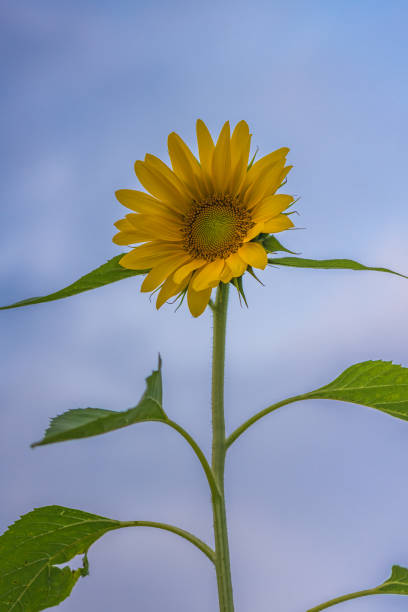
(219, 447)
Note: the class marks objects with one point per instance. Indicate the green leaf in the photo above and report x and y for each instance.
(326, 264)
(30, 549)
(86, 422)
(272, 244)
(110, 272)
(397, 583)
(377, 384)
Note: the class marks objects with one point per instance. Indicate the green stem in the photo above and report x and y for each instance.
(338, 600)
(180, 532)
(219, 448)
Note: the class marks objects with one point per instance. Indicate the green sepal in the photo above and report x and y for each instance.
(253, 159)
(271, 245)
(109, 272)
(239, 286)
(250, 271)
(326, 264)
(86, 422)
(32, 547)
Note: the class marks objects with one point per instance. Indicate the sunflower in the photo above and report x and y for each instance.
(200, 223)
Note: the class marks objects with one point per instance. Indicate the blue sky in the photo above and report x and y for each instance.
(316, 493)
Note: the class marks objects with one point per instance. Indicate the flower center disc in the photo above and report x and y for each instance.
(215, 227)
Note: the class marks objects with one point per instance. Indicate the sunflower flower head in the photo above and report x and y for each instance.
(200, 221)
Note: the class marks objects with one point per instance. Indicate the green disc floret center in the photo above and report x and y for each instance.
(215, 228)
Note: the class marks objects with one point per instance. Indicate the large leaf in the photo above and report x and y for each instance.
(110, 272)
(30, 549)
(326, 264)
(377, 384)
(86, 422)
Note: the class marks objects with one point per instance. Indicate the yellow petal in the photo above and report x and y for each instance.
(164, 172)
(226, 275)
(240, 144)
(209, 273)
(271, 206)
(133, 237)
(162, 271)
(267, 160)
(198, 300)
(257, 229)
(271, 185)
(236, 264)
(215, 283)
(254, 254)
(147, 255)
(221, 162)
(156, 164)
(282, 177)
(139, 201)
(157, 228)
(205, 146)
(166, 215)
(238, 176)
(266, 184)
(185, 270)
(156, 183)
(170, 289)
(278, 224)
(185, 165)
(124, 225)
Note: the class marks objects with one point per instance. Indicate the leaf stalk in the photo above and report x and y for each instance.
(199, 453)
(180, 532)
(242, 428)
(338, 600)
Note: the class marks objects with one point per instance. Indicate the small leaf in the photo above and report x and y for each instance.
(272, 245)
(326, 264)
(110, 272)
(30, 549)
(377, 384)
(86, 422)
(397, 583)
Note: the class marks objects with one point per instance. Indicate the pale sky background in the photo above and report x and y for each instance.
(317, 492)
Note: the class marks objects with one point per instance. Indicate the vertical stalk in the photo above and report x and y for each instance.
(222, 562)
